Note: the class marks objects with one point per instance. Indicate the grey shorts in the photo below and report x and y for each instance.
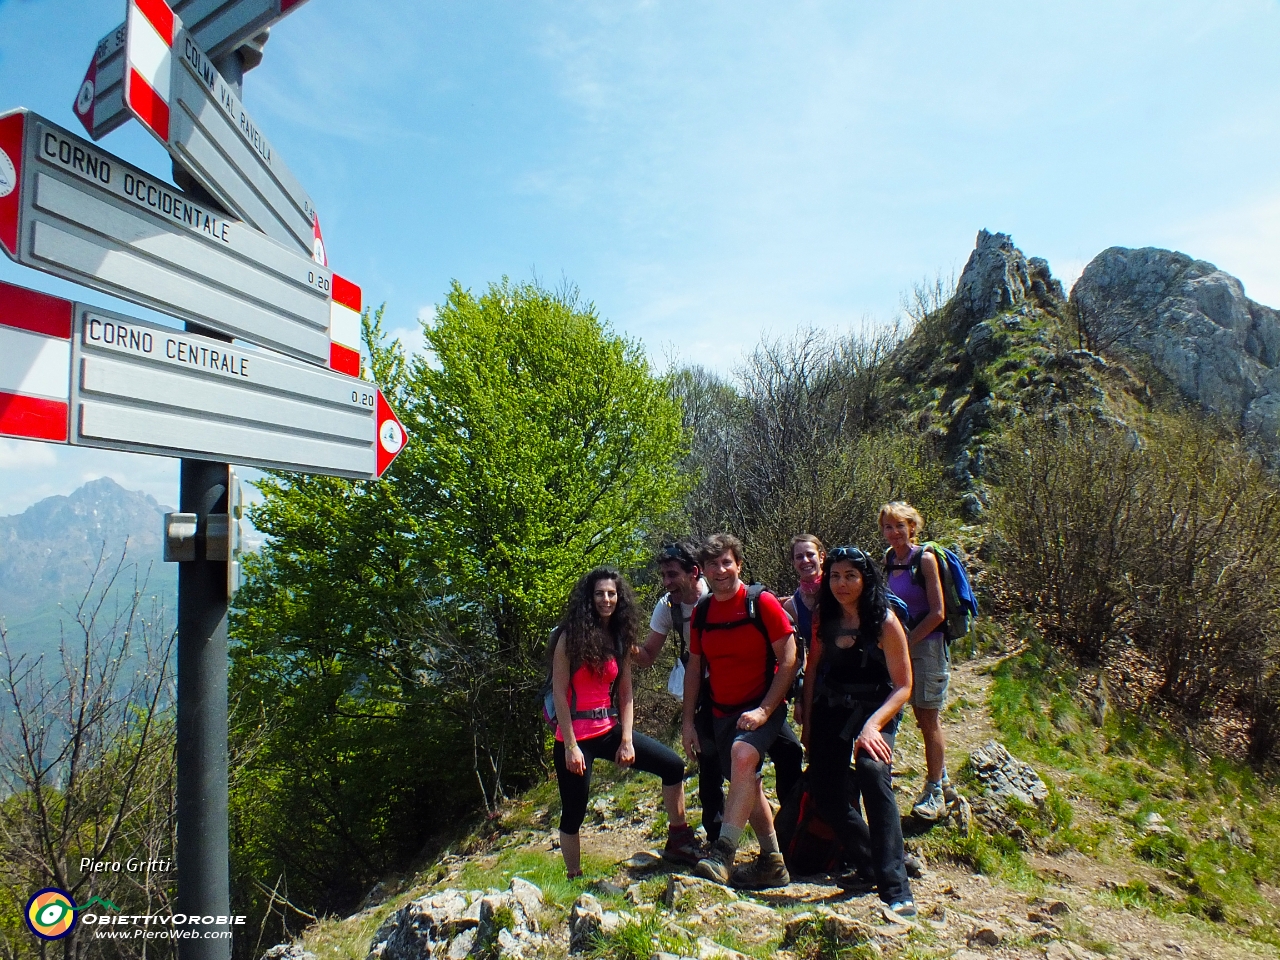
(727, 734)
(930, 672)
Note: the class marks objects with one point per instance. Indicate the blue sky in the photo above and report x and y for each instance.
(708, 173)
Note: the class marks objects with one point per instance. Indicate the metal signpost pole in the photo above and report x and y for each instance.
(204, 856)
(204, 877)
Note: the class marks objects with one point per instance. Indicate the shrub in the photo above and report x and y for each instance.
(1163, 540)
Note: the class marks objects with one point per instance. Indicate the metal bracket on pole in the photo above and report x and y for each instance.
(179, 537)
(217, 537)
(222, 536)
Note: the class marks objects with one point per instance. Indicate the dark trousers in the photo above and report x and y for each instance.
(786, 753)
(874, 844)
(651, 757)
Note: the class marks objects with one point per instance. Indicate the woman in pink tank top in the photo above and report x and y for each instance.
(591, 689)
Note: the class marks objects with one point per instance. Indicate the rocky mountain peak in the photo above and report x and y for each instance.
(1195, 323)
(998, 277)
(49, 551)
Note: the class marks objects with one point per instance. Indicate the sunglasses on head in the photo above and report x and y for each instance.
(853, 555)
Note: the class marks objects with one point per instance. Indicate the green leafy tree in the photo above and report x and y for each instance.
(391, 633)
(543, 445)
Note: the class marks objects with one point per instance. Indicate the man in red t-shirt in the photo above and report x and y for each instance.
(749, 677)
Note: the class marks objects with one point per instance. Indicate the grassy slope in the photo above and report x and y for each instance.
(1211, 881)
(1207, 871)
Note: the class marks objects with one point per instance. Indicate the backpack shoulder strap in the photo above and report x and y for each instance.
(699, 621)
(677, 621)
(940, 557)
(917, 558)
(753, 610)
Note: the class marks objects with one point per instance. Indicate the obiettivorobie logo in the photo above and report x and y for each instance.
(51, 913)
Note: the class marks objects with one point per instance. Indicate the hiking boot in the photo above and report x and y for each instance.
(682, 846)
(718, 862)
(767, 870)
(856, 883)
(932, 804)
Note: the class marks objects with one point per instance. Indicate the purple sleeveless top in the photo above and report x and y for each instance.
(911, 593)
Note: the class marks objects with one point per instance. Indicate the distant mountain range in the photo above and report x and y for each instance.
(49, 554)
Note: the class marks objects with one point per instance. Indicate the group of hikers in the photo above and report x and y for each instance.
(741, 647)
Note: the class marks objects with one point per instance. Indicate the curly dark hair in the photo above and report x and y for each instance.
(872, 603)
(588, 640)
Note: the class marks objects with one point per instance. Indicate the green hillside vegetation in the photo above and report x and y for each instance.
(1204, 871)
(390, 637)
(402, 623)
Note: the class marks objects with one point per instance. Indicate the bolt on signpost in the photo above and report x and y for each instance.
(238, 255)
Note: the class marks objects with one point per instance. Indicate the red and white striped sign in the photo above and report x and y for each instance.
(35, 377)
(148, 72)
(344, 327)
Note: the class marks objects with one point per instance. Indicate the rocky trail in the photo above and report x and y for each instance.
(1066, 908)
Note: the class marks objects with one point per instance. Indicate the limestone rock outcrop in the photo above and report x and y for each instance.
(460, 923)
(1004, 780)
(998, 277)
(1195, 323)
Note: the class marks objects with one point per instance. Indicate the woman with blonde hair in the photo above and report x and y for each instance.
(913, 574)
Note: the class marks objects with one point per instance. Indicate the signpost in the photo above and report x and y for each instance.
(71, 373)
(218, 26)
(177, 94)
(76, 374)
(85, 215)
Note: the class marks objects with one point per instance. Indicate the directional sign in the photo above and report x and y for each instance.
(218, 26)
(80, 213)
(178, 95)
(72, 373)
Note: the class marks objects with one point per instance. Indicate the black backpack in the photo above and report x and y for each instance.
(809, 845)
(699, 623)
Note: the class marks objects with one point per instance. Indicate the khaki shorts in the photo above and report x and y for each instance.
(930, 672)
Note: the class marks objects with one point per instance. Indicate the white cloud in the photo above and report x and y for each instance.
(26, 454)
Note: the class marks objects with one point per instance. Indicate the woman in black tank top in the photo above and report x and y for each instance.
(861, 678)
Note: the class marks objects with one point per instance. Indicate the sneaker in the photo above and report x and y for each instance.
(902, 910)
(718, 862)
(932, 804)
(767, 870)
(682, 846)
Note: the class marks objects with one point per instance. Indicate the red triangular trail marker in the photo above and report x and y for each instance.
(392, 436)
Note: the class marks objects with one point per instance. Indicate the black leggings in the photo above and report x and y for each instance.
(651, 757)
